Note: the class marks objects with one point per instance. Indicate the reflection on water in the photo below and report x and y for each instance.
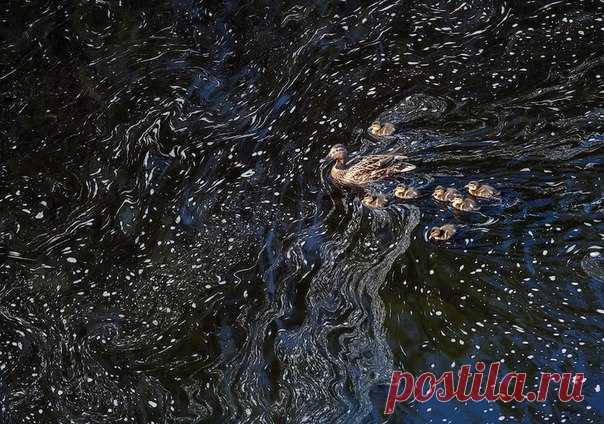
(172, 250)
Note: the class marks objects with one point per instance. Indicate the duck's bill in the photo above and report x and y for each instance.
(408, 167)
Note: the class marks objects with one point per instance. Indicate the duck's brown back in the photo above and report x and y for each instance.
(340, 176)
(370, 169)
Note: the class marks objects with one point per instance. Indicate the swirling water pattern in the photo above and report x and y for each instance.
(171, 248)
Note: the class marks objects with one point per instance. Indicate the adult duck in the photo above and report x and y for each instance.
(365, 170)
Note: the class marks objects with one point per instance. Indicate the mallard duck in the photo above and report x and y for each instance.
(462, 204)
(444, 195)
(442, 233)
(482, 190)
(365, 170)
(380, 130)
(405, 192)
(374, 200)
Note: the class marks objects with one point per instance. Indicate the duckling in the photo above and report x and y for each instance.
(445, 195)
(451, 194)
(405, 192)
(482, 190)
(462, 204)
(374, 200)
(365, 170)
(380, 130)
(439, 193)
(442, 233)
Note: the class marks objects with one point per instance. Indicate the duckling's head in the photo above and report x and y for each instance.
(375, 127)
(472, 185)
(369, 198)
(436, 233)
(400, 190)
(457, 201)
(375, 200)
(338, 153)
(439, 191)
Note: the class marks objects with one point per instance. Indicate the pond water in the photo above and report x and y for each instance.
(174, 251)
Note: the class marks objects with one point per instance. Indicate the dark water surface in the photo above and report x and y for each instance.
(173, 251)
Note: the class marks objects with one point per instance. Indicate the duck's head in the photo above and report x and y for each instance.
(472, 185)
(338, 152)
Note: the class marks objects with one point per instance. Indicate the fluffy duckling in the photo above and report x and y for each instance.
(482, 190)
(374, 200)
(380, 130)
(442, 233)
(365, 170)
(451, 194)
(406, 192)
(439, 193)
(445, 195)
(467, 204)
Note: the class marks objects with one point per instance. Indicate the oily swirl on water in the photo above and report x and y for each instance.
(594, 267)
(416, 107)
(342, 333)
